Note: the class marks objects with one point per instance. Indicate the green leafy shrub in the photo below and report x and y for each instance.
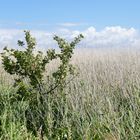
(29, 67)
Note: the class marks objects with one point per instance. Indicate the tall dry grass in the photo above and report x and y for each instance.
(103, 100)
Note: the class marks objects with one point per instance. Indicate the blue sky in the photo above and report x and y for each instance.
(73, 14)
(104, 23)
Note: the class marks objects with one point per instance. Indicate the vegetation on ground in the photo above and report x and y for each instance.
(43, 97)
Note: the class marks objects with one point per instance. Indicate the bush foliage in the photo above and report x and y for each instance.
(29, 67)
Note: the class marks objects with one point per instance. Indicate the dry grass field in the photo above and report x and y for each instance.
(104, 99)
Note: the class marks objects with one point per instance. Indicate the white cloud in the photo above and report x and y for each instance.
(115, 36)
(111, 37)
(68, 24)
(8, 37)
